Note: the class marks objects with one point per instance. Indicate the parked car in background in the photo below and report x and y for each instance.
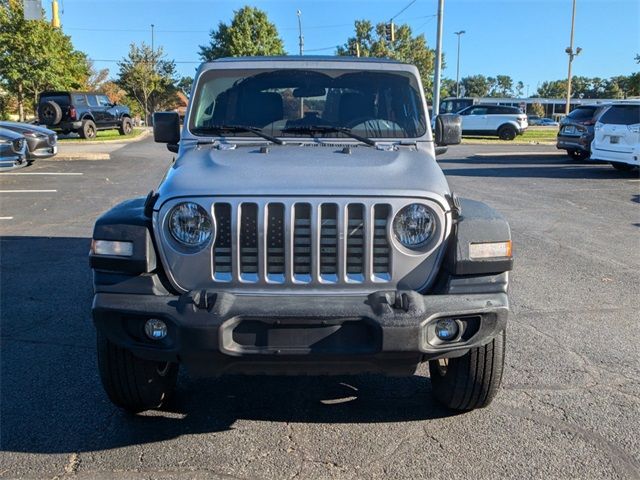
(505, 122)
(13, 149)
(83, 112)
(547, 122)
(576, 131)
(41, 142)
(617, 136)
(533, 120)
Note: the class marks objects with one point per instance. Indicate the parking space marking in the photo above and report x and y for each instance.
(28, 191)
(509, 154)
(6, 218)
(8, 174)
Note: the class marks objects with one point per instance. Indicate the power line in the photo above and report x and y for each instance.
(407, 6)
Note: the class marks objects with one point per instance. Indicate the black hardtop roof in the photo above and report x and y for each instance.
(314, 58)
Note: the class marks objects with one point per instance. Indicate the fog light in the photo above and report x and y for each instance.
(155, 329)
(447, 329)
(112, 248)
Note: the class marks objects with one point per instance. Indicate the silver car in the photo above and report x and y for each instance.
(305, 227)
(41, 142)
(13, 150)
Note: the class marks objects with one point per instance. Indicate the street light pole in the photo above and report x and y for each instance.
(436, 79)
(459, 34)
(300, 37)
(572, 54)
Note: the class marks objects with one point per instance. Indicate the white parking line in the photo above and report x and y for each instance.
(6, 218)
(28, 191)
(509, 154)
(41, 173)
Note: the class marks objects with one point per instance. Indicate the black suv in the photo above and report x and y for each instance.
(82, 112)
(576, 131)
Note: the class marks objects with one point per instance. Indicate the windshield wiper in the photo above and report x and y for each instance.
(238, 128)
(310, 129)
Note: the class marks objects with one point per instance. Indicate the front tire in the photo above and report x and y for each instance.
(470, 381)
(133, 383)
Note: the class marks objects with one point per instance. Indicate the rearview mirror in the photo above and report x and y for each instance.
(166, 129)
(309, 91)
(448, 130)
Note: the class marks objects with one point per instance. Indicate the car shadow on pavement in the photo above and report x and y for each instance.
(531, 166)
(51, 399)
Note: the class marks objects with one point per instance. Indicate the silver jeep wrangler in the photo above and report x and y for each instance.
(304, 228)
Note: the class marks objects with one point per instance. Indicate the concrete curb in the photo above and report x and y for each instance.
(71, 156)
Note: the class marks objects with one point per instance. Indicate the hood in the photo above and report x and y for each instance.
(26, 127)
(314, 169)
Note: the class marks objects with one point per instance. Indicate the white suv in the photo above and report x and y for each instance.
(617, 136)
(505, 122)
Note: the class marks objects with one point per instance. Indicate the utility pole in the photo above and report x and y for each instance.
(572, 54)
(436, 80)
(301, 44)
(459, 34)
(152, 39)
(55, 14)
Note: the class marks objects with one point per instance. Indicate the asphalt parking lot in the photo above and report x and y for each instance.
(571, 391)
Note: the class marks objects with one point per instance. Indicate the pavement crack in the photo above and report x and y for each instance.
(73, 464)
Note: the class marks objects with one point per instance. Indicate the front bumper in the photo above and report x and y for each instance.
(217, 332)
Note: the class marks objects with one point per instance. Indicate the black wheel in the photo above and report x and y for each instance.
(126, 127)
(507, 132)
(578, 154)
(49, 113)
(623, 167)
(470, 381)
(132, 383)
(88, 129)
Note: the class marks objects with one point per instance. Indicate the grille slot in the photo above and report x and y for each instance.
(302, 242)
(249, 242)
(222, 249)
(329, 242)
(275, 242)
(355, 242)
(381, 247)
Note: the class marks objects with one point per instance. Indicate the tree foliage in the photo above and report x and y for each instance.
(620, 86)
(35, 57)
(476, 86)
(370, 41)
(148, 78)
(249, 34)
(184, 85)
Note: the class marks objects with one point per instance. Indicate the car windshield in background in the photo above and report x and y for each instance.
(284, 103)
(622, 115)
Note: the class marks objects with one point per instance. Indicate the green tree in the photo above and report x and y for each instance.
(476, 86)
(148, 78)
(184, 85)
(519, 89)
(447, 88)
(35, 57)
(504, 86)
(552, 89)
(373, 42)
(249, 34)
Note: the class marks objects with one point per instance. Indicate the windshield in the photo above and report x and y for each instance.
(281, 102)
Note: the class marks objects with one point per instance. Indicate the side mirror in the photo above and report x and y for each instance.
(166, 129)
(448, 130)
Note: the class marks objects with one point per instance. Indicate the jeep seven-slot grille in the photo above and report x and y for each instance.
(301, 242)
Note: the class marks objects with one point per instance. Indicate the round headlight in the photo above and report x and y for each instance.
(190, 224)
(414, 225)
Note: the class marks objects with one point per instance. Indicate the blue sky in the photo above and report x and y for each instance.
(521, 38)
